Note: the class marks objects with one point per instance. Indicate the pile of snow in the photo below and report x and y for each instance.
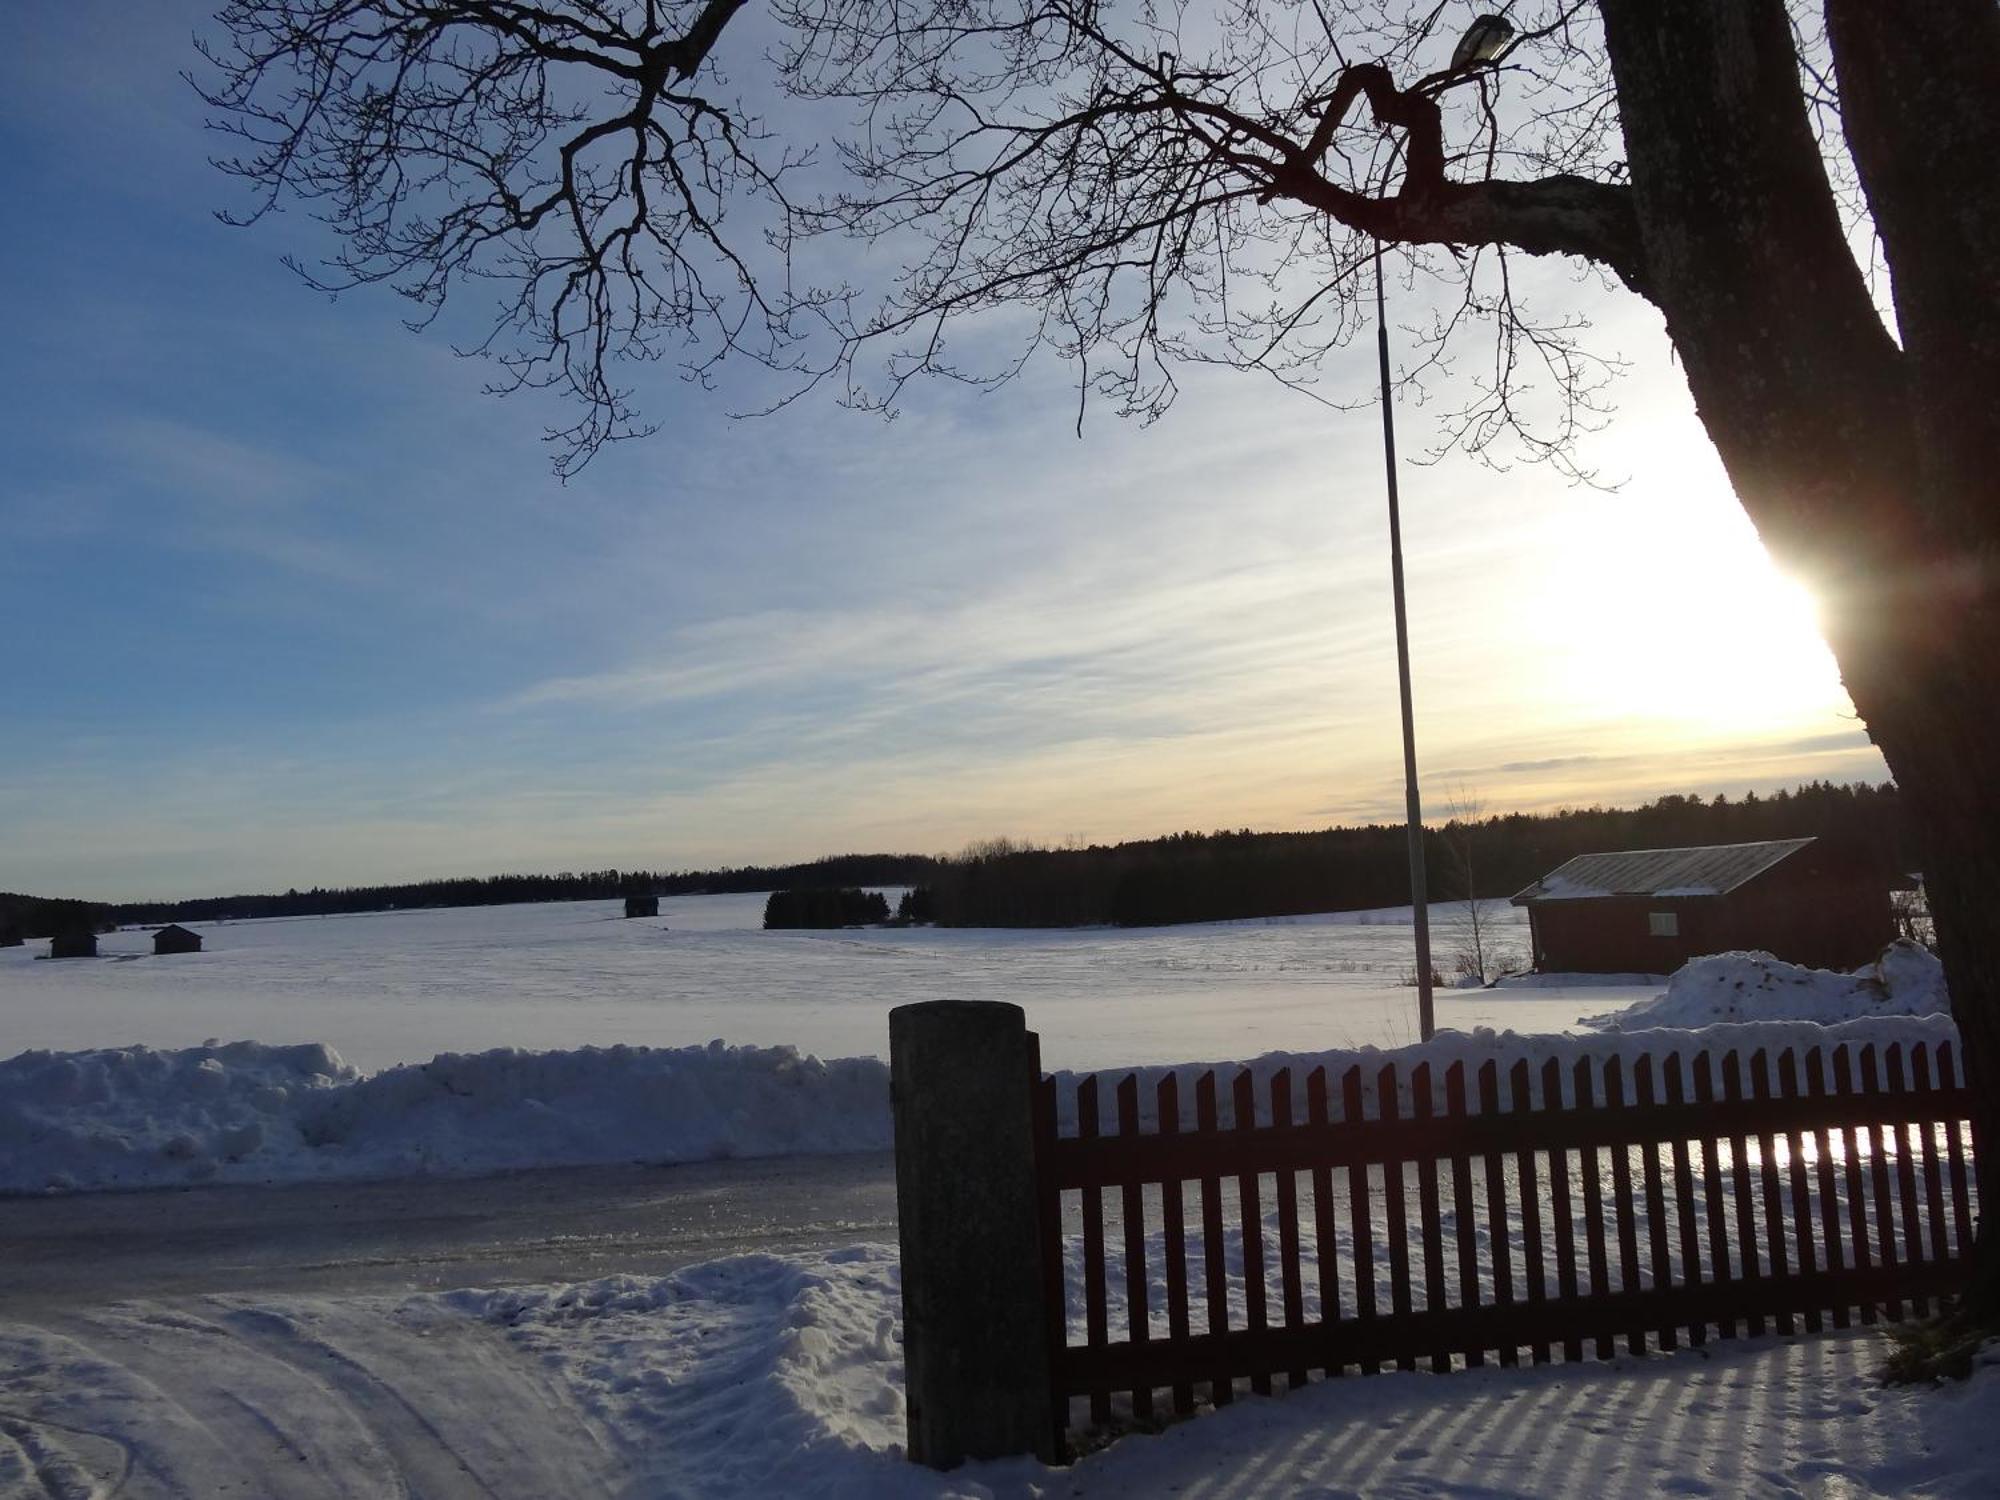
(759, 1375)
(1905, 981)
(780, 1375)
(244, 1112)
(129, 1117)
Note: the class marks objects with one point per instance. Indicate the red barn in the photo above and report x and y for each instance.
(1648, 911)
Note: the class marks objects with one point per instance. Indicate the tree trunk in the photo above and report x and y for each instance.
(1917, 85)
(1917, 88)
(1942, 755)
(1871, 469)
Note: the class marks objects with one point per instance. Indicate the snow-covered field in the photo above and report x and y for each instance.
(403, 986)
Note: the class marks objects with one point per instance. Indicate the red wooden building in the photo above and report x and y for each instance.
(1648, 911)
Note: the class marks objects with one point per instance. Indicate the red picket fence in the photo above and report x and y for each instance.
(1691, 1207)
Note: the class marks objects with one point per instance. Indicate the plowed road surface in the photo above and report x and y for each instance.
(239, 1335)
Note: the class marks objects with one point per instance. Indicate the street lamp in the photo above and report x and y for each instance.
(1482, 42)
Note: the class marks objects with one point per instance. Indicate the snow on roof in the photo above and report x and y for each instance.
(1709, 870)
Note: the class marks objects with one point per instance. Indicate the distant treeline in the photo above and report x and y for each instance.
(1201, 877)
(825, 907)
(499, 890)
(23, 917)
(1184, 877)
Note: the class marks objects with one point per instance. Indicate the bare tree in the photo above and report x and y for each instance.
(1478, 956)
(1160, 181)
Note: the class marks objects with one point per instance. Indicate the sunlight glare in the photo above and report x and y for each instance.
(1670, 609)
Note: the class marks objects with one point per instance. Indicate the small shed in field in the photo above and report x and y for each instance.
(1648, 911)
(642, 906)
(176, 939)
(77, 942)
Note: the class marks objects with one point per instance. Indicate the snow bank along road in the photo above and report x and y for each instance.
(136, 1116)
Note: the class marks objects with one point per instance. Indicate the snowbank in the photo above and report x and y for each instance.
(780, 1375)
(130, 1117)
(1905, 981)
(136, 1117)
(759, 1375)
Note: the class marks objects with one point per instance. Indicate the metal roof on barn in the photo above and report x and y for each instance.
(1710, 870)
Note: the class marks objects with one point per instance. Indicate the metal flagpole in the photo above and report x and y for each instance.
(1419, 888)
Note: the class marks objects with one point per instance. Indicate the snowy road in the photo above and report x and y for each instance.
(218, 1341)
(311, 1399)
(81, 1252)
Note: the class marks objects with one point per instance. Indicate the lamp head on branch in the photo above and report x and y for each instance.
(1482, 43)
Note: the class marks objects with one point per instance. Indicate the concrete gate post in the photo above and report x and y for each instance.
(975, 1339)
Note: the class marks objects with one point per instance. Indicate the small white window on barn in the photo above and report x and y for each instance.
(1664, 923)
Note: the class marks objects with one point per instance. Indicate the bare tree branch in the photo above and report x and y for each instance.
(1152, 184)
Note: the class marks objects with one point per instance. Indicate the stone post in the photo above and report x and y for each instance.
(975, 1338)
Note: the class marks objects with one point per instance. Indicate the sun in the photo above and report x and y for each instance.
(1668, 608)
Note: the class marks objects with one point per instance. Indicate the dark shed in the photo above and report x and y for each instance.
(77, 942)
(1648, 911)
(176, 939)
(642, 906)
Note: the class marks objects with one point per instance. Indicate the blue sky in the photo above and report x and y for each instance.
(290, 601)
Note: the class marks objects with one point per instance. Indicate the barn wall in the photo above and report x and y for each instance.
(1818, 913)
(1611, 935)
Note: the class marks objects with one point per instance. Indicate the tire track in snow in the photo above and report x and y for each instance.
(221, 1417)
(451, 1402)
(301, 1400)
(60, 1475)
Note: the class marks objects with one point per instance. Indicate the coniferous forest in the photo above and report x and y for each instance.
(1183, 877)
(1201, 877)
(825, 906)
